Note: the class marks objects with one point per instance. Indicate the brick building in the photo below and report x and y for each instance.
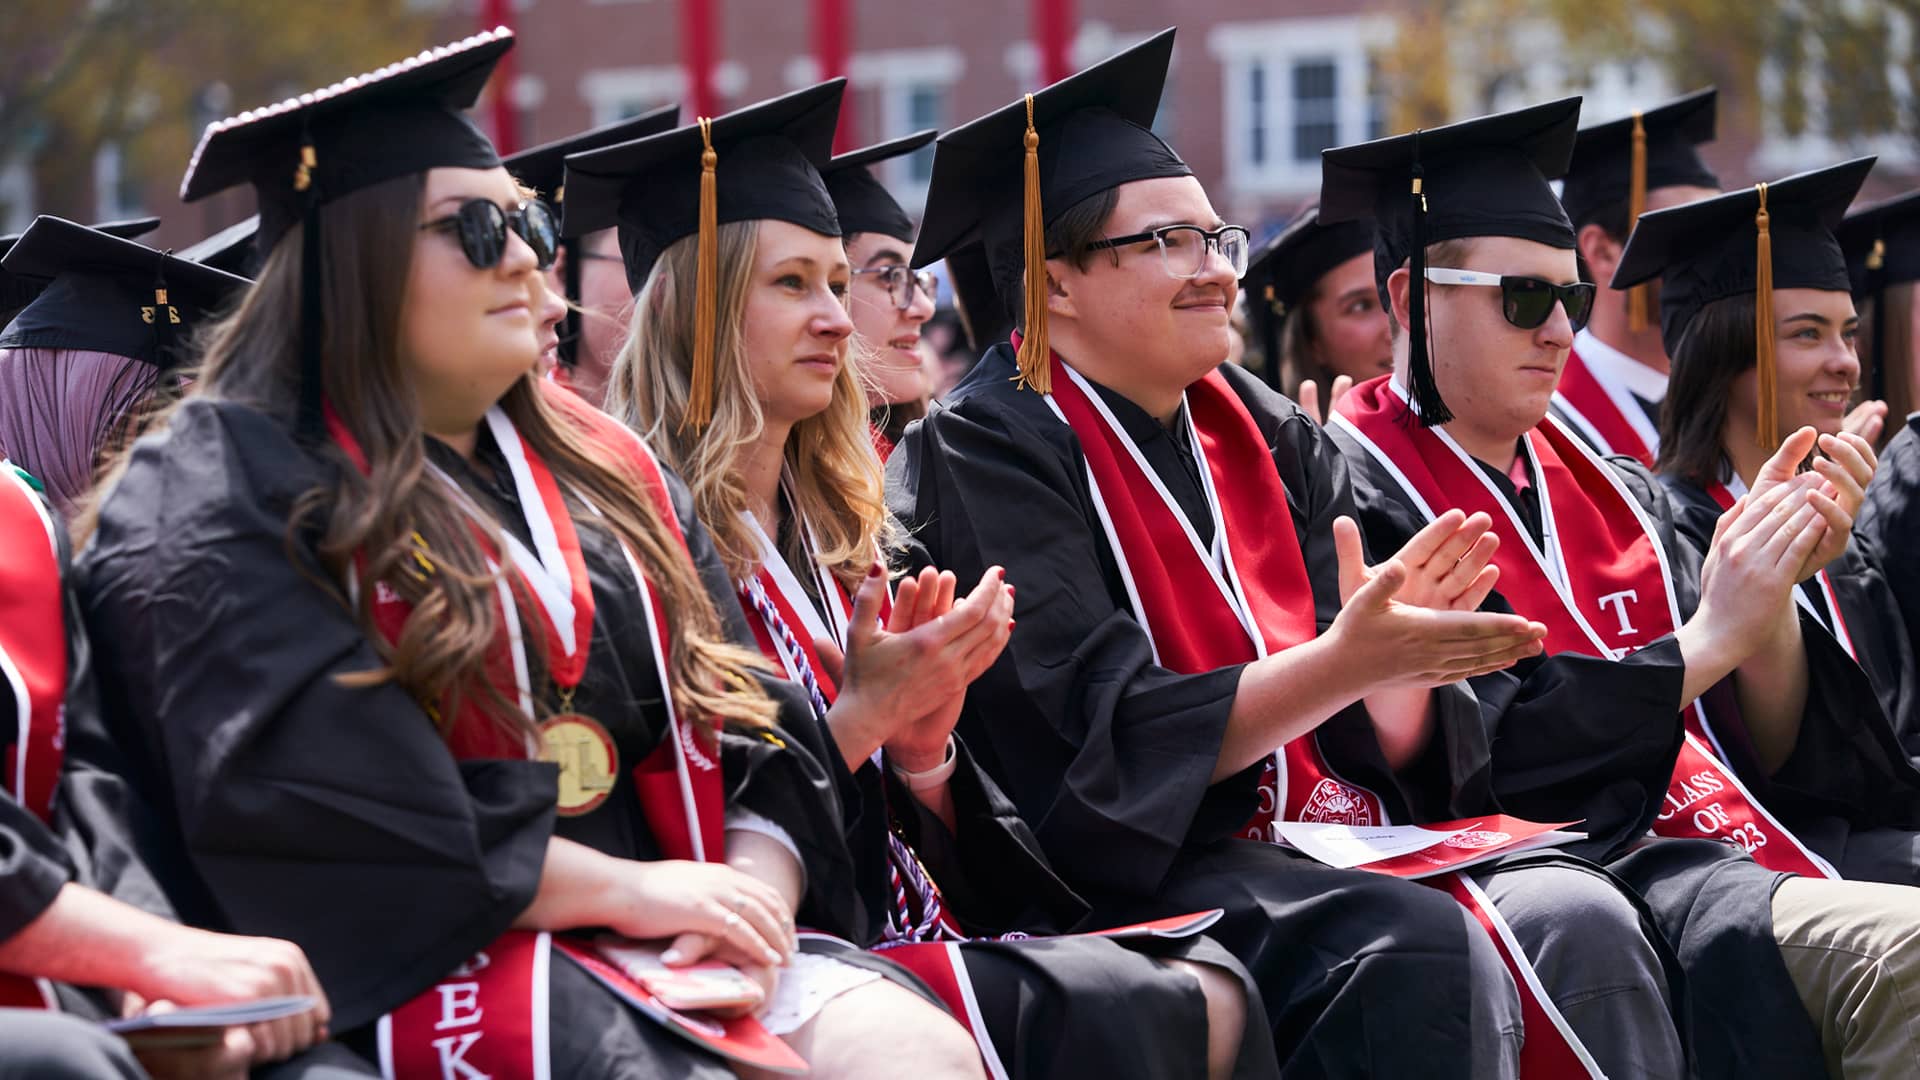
(1258, 87)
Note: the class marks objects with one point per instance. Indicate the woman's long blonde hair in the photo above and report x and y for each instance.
(442, 655)
(832, 470)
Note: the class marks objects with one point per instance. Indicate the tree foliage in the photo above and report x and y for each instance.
(147, 74)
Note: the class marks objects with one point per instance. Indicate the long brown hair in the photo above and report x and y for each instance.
(442, 654)
(830, 460)
(1717, 346)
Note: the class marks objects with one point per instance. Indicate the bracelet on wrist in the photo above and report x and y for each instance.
(930, 778)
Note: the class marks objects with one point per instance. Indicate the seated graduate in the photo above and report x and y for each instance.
(54, 929)
(586, 272)
(1478, 265)
(1882, 244)
(889, 301)
(1312, 312)
(1745, 370)
(1615, 376)
(101, 342)
(782, 471)
(1387, 752)
(373, 567)
(1134, 740)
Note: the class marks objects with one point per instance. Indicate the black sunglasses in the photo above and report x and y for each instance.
(482, 227)
(1526, 301)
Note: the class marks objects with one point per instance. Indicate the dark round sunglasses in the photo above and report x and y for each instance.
(1526, 301)
(482, 227)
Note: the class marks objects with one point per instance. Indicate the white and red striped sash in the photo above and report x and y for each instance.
(1246, 597)
(490, 1016)
(1602, 415)
(1600, 582)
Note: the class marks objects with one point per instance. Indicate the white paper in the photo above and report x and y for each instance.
(1347, 846)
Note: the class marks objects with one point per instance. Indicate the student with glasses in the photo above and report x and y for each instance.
(1190, 598)
(889, 301)
(1653, 656)
(413, 645)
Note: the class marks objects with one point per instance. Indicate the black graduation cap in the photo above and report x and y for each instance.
(17, 290)
(982, 314)
(544, 169)
(1283, 273)
(1882, 245)
(760, 162)
(1483, 177)
(1000, 180)
(1755, 240)
(108, 294)
(308, 150)
(231, 249)
(1621, 160)
(861, 201)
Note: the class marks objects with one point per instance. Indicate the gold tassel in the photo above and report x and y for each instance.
(705, 286)
(1769, 422)
(1637, 315)
(1032, 360)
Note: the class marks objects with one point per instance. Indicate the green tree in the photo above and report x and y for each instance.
(76, 75)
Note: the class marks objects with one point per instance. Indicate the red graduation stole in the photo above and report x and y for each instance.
(1725, 495)
(1251, 597)
(489, 1017)
(1594, 409)
(1600, 584)
(33, 661)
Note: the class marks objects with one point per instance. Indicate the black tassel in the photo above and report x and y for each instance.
(1426, 395)
(1877, 286)
(312, 427)
(571, 253)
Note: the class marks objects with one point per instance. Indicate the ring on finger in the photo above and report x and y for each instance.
(738, 903)
(732, 921)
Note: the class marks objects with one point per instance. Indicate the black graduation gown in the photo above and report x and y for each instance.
(1579, 737)
(334, 816)
(1849, 789)
(1109, 757)
(1886, 534)
(1084, 1007)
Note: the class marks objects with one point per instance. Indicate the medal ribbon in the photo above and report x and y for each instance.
(1601, 568)
(1251, 597)
(678, 783)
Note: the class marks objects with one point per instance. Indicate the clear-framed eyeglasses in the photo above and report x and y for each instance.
(902, 281)
(1184, 248)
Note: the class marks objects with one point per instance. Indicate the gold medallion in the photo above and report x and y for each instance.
(588, 761)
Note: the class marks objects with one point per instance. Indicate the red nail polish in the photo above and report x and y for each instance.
(874, 570)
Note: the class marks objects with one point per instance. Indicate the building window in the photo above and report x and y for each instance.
(1316, 105)
(1295, 87)
(925, 108)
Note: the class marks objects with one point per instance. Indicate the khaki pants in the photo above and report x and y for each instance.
(1853, 950)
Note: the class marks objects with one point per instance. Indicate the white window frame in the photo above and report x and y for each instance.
(609, 91)
(1279, 44)
(892, 75)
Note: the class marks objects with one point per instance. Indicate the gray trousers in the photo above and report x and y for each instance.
(37, 1045)
(1585, 940)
